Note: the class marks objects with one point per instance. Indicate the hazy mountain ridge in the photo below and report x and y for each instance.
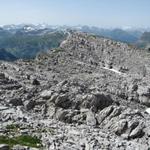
(26, 41)
(144, 41)
(128, 36)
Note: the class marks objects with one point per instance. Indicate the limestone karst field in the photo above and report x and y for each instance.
(90, 93)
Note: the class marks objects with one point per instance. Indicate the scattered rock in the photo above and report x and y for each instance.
(46, 94)
(121, 127)
(90, 119)
(35, 82)
(4, 147)
(144, 95)
(19, 147)
(63, 101)
(137, 132)
(29, 104)
(16, 102)
(104, 114)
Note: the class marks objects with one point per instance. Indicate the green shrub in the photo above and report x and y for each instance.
(12, 126)
(24, 140)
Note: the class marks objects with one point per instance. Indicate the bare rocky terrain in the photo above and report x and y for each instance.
(91, 93)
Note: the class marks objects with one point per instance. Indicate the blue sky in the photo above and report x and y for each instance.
(103, 13)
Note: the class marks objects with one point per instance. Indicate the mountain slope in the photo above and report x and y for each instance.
(144, 41)
(4, 55)
(90, 92)
(115, 34)
(26, 43)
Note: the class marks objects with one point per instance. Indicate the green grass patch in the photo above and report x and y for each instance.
(48, 130)
(12, 126)
(59, 49)
(24, 140)
(93, 36)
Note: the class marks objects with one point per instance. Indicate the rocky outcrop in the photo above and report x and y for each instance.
(4, 147)
(144, 95)
(124, 122)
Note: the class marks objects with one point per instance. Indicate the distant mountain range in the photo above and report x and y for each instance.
(116, 34)
(26, 41)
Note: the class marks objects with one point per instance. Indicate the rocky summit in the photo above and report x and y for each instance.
(91, 93)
